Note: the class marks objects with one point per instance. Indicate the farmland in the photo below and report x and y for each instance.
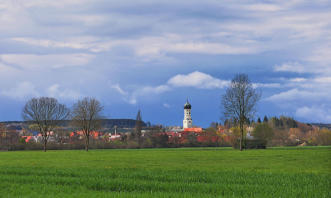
(187, 172)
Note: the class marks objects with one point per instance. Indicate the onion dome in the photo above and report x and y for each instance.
(187, 105)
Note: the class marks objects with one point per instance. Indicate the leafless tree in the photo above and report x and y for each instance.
(46, 113)
(62, 135)
(87, 117)
(8, 137)
(239, 102)
(3, 133)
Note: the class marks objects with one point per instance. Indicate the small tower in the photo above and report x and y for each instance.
(187, 122)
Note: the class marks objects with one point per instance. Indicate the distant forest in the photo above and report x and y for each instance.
(105, 123)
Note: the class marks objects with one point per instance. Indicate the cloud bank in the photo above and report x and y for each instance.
(152, 53)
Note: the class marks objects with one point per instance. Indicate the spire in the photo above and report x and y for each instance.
(187, 105)
(187, 122)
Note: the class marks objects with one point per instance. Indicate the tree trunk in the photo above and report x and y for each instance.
(241, 136)
(87, 143)
(45, 142)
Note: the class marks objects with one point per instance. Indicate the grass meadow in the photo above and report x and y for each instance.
(183, 172)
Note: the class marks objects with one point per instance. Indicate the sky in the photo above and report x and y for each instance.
(153, 55)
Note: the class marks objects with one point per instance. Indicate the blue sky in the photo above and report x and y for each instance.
(152, 55)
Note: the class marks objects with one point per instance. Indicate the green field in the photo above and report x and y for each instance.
(187, 172)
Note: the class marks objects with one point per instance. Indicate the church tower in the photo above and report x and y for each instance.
(187, 122)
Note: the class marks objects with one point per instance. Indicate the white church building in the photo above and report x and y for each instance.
(187, 122)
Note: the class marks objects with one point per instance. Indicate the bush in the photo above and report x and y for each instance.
(255, 144)
(263, 132)
(251, 144)
(322, 137)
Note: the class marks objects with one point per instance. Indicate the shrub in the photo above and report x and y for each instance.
(263, 132)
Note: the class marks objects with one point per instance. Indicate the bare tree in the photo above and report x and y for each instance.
(239, 102)
(62, 135)
(8, 137)
(87, 117)
(46, 113)
(3, 133)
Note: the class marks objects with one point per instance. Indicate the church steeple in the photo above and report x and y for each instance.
(187, 105)
(187, 122)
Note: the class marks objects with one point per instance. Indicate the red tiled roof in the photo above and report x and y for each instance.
(195, 129)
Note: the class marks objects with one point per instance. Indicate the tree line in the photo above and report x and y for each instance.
(46, 113)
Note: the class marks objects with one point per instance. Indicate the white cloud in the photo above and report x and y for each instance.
(144, 91)
(308, 98)
(209, 48)
(57, 92)
(316, 83)
(125, 95)
(22, 90)
(51, 43)
(119, 89)
(298, 80)
(323, 80)
(197, 79)
(51, 3)
(166, 105)
(153, 90)
(298, 95)
(132, 101)
(89, 20)
(290, 67)
(262, 7)
(176, 43)
(287, 95)
(146, 46)
(26, 89)
(5, 69)
(13, 17)
(147, 91)
(267, 85)
(152, 46)
(317, 62)
(321, 56)
(32, 61)
(314, 113)
(92, 44)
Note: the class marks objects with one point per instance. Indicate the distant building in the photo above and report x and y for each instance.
(249, 133)
(194, 129)
(187, 122)
(114, 137)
